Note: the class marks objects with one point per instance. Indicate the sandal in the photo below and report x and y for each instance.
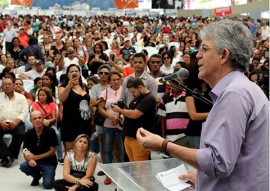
(107, 181)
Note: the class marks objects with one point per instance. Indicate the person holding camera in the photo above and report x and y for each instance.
(70, 57)
(112, 124)
(77, 118)
(140, 113)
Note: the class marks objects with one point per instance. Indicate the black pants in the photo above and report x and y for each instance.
(60, 185)
(15, 145)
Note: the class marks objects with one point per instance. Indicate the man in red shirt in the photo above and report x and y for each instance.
(23, 37)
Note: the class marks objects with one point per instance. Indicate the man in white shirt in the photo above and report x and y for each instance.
(8, 34)
(37, 71)
(13, 111)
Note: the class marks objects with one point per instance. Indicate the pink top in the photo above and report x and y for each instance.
(49, 108)
(113, 97)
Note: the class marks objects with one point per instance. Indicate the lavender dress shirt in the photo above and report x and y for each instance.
(234, 148)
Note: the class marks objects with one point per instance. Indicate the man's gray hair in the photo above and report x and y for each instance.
(234, 36)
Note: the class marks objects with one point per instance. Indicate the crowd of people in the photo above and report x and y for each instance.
(58, 73)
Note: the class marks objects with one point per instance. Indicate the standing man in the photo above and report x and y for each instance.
(39, 152)
(140, 113)
(126, 51)
(139, 64)
(8, 34)
(13, 112)
(234, 147)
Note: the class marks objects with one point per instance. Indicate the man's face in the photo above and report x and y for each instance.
(209, 62)
(7, 86)
(135, 92)
(155, 64)
(127, 43)
(39, 67)
(37, 119)
(31, 60)
(139, 64)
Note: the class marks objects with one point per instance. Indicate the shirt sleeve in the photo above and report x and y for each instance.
(223, 134)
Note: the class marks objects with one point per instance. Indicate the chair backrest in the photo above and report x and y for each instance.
(28, 85)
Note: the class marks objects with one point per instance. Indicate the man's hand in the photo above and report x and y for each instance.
(190, 176)
(4, 125)
(115, 108)
(149, 140)
(14, 123)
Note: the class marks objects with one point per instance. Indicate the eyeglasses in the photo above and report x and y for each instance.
(103, 73)
(203, 49)
(166, 57)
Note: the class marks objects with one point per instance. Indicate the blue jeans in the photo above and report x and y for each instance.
(109, 135)
(46, 171)
(59, 150)
(194, 141)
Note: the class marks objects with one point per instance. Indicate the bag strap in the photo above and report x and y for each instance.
(42, 108)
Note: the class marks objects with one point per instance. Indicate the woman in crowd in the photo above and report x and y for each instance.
(15, 48)
(49, 82)
(11, 64)
(57, 49)
(48, 108)
(89, 46)
(46, 47)
(37, 85)
(91, 81)
(79, 167)
(97, 59)
(81, 50)
(3, 60)
(115, 47)
(96, 91)
(167, 67)
(75, 99)
(112, 125)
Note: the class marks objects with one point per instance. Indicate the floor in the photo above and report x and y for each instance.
(12, 179)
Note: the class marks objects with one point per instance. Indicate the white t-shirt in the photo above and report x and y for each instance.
(33, 74)
(68, 62)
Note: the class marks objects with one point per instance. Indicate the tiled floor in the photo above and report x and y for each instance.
(12, 179)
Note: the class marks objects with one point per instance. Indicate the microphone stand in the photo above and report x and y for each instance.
(195, 94)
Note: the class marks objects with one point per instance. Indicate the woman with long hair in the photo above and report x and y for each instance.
(79, 167)
(15, 48)
(48, 108)
(77, 114)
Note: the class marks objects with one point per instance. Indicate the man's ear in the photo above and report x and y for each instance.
(225, 56)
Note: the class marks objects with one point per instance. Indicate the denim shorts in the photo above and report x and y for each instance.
(99, 129)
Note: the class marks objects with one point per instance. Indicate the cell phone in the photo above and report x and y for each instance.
(74, 75)
(113, 56)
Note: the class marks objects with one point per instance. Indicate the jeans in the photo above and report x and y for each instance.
(46, 171)
(59, 150)
(194, 141)
(109, 135)
(17, 138)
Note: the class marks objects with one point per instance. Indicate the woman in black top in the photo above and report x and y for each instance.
(76, 107)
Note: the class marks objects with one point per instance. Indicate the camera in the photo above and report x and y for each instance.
(74, 75)
(120, 104)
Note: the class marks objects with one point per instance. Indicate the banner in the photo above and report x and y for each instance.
(25, 3)
(85, 4)
(125, 4)
(223, 11)
(163, 4)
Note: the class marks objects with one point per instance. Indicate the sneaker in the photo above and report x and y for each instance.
(35, 181)
(7, 161)
(61, 161)
(100, 173)
(107, 181)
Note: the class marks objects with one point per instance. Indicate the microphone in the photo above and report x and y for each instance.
(182, 74)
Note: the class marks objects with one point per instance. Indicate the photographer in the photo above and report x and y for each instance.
(70, 57)
(112, 134)
(140, 113)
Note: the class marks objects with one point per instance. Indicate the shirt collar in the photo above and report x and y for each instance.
(222, 84)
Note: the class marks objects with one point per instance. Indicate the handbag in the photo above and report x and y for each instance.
(47, 116)
(98, 118)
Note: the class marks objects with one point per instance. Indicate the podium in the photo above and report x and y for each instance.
(140, 176)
